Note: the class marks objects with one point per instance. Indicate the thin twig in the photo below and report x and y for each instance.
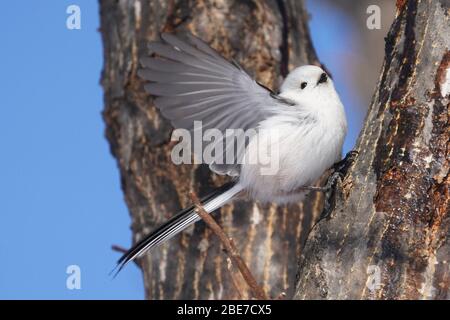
(231, 250)
(118, 248)
(234, 280)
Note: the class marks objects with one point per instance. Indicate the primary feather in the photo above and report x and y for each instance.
(193, 82)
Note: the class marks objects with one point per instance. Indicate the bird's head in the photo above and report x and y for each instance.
(307, 82)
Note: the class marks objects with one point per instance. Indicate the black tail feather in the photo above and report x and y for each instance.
(179, 219)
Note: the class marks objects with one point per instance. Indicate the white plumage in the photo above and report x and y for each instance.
(192, 82)
(310, 138)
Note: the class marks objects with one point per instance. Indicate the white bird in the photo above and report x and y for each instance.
(193, 82)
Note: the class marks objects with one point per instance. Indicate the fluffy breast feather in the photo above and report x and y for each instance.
(300, 149)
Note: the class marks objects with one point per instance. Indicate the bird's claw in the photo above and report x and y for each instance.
(343, 165)
(335, 180)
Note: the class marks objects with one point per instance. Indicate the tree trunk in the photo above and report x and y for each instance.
(267, 38)
(388, 235)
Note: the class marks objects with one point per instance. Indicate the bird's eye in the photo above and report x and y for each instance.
(303, 85)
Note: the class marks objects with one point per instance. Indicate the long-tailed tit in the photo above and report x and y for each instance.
(193, 82)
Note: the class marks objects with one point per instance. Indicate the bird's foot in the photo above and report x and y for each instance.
(345, 164)
(331, 181)
(332, 188)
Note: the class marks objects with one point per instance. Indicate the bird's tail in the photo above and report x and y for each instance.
(179, 222)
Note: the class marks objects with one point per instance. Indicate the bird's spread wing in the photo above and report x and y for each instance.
(193, 82)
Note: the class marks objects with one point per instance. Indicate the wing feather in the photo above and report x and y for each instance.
(166, 77)
(193, 82)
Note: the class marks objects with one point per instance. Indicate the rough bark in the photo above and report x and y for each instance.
(393, 215)
(267, 38)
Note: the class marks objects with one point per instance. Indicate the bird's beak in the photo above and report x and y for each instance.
(323, 78)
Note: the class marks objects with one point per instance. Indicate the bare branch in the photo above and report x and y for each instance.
(230, 249)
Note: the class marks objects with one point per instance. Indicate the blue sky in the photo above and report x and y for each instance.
(61, 202)
(60, 197)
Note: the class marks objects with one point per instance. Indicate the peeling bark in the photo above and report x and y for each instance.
(267, 38)
(392, 219)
